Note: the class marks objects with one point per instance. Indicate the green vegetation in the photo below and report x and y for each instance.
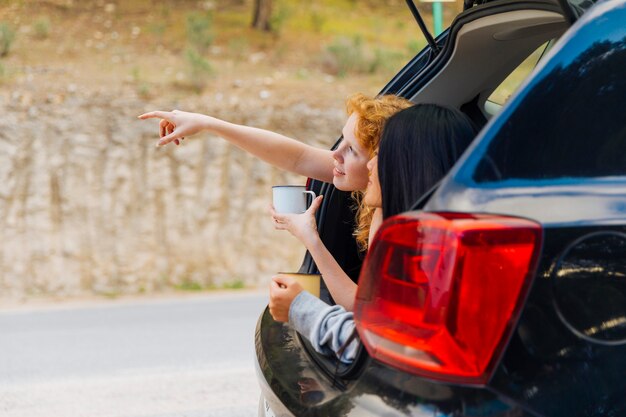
(189, 286)
(281, 14)
(200, 31)
(7, 36)
(199, 70)
(141, 85)
(42, 28)
(193, 286)
(200, 36)
(318, 20)
(158, 29)
(345, 55)
(113, 294)
(386, 61)
(238, 47)
(143, 90)
(353, 56)
(336, 36)
(235, 285)
(413, 46)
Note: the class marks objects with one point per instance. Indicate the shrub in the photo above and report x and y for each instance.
(188, 285)
(414, 46)
(42, 28)
(302, 74)
(7, 36)
(386, 60)
(346, 55)
(238, 47)
(142, 87)
(157, 29)
(318, 20)
(199, 69)
(200, 30)
(234, 285)
(143, 90)
(279, 18)
(135, 73)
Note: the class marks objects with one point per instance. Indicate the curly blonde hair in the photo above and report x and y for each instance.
(373, 113)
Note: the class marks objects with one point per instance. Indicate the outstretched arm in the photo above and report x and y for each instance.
(279, 150)
(304, 227)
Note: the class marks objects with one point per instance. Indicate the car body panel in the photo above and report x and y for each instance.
(291, 386)
(547, 367)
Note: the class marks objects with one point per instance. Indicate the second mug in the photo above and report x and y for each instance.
(309, 282)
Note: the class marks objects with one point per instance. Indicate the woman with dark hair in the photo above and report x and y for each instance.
(418, 147)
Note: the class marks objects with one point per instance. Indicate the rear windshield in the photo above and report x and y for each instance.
(572, 121)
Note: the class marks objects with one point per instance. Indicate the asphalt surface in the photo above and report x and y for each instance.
(159, 358)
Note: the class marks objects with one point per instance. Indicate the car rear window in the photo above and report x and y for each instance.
(570, 122)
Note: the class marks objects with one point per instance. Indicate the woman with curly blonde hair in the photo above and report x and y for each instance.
(361, 136)
(372, 116)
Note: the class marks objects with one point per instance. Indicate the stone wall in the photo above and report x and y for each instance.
(88, 204)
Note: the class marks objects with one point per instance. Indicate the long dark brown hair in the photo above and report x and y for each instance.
(418, 147)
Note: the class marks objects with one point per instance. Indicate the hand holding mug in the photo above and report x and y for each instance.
(302, 226)
(283, 290)
(290, 198)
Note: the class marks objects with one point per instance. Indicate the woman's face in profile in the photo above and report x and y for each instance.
(373, 196)
(350, 172)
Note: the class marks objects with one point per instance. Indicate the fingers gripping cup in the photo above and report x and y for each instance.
(309, 282)
(291, 198)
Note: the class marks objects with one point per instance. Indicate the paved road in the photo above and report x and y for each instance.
(188, 357)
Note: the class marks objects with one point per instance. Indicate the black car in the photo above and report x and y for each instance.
(504, 292)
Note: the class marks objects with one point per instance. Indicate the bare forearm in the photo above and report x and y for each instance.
(279, 150)
(341, 287)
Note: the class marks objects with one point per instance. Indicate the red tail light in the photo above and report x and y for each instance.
(439, 293)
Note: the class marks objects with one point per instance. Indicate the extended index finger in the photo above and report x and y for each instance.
(155, 114)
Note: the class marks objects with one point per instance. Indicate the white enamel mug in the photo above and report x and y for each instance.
(291, 198)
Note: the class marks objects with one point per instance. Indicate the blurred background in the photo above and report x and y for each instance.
(89, 206)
